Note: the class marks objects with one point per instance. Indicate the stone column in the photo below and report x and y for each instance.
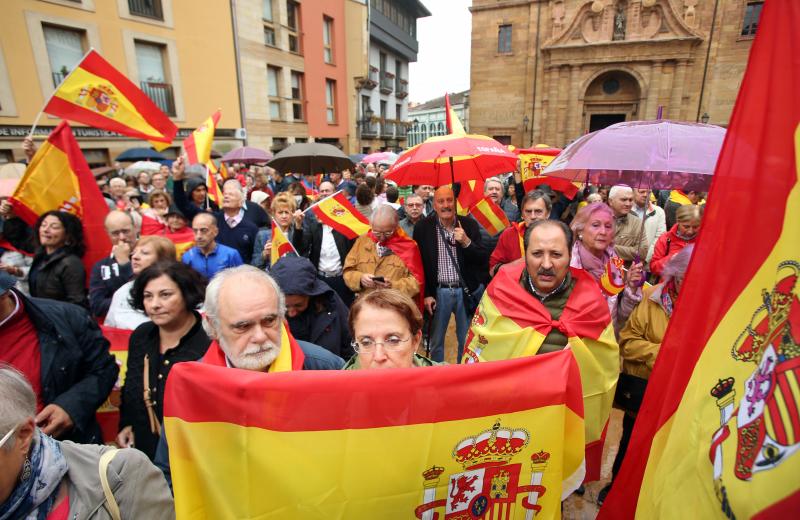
(563, 104)
(550, 113)
(573, 103)
(676, 109)
(653, 93)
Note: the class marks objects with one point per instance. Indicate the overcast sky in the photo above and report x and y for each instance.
(444, 49)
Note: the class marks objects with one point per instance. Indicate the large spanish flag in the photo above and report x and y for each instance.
(98, 95)
(337, 212)
(497, 440)
(108, 413)
(490, 216)
(532, 161)
(280, 245)
(58, 178)
(510, 323)
(718, 433)
(198, 144)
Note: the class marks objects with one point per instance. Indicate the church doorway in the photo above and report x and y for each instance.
(612, 97)
(600, 121)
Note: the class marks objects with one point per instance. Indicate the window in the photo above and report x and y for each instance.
(96, 157)
(504, 39)
(64, 50)
(398, 112)
(383, 62)
(152, 76)
(279, 143)
(327, 39)
(293, 25)
(266, 13)
(269, 36)
(752, 14)
(147, 8)
(297, 96)
(397, 68)
(273, 90)
(330, 100)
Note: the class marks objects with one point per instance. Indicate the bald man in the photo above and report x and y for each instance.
(112, 272)
(207, 257)
(456, 262)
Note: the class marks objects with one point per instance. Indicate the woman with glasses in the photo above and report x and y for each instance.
(41, 477)
(387, 329)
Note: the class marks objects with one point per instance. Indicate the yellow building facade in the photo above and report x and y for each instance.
(181, 53)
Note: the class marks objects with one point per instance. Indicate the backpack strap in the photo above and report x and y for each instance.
(111, 502)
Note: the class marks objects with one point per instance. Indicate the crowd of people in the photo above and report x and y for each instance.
(193, 279)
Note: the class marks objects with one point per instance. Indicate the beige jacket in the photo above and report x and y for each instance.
(629, 239)
(138, 486)
(363, 259)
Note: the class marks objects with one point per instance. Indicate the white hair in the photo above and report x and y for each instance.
(117, 181)
(492, 179)
(619, 189)
(211, 305)
(384, 210)
(18, 401)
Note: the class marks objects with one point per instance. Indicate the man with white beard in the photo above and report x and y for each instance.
(245, 317)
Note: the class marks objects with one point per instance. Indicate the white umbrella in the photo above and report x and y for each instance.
(143, 166)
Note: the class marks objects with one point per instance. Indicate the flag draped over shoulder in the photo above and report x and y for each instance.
(405, 443)
(183, 239)
(58, 178)
(337, 212)
(490, 216)
(280, 244)
(718, 433)
(510, 323)
(98, 95)
(198, 144)
(408, 251)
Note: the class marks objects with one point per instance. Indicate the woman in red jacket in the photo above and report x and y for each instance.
(683, 233)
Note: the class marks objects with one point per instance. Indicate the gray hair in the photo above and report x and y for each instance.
(534, 195)
(117, 180)
(211, 305)
(677, 265)
(384, 210)
(18, 402)
(493, 179)
(618, 190)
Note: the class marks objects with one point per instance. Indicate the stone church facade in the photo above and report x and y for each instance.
(549, 71)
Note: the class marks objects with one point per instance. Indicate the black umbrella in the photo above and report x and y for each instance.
(310, 158)
(140, 154)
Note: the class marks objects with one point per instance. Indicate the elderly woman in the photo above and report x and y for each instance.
(282, 210)
(147, 251)
(639, 342)
(387, 329)
(684, 232)
(159, 203)
(168, 293)
(593, 252)
(41, 477)
(57, 271)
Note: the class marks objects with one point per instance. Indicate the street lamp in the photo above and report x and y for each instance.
(704, 118)
(368, 113)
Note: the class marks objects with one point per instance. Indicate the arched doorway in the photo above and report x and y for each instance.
(612, 97)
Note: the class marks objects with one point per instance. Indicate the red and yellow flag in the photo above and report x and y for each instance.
(58, 178)
(452, 122)
(490, 216)
(718, 433)
(214, 192)
(533, 161)
(496, 440)
(469, 193)
(510, 323)
(198, 145)
(183, 238)
(280, 245)
(108, 413)
(98, 95)
(337, 212)
(679, 197)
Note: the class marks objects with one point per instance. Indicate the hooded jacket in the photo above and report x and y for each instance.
(667, 246)
(324, 322)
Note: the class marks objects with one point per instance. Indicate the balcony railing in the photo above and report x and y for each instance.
(368, 128)
(147, 8)
(387, 82)
(161, 94)
(58, 77)
(401, 131)
(401, 89)
(387, 129)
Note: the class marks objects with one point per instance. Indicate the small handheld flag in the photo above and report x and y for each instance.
(490, 216)
(337, 212)
(280, 245)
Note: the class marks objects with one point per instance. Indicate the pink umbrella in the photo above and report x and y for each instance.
(379, 157)
(247, 155)
(647, 154)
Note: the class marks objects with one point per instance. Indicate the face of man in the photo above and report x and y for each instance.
(424, 191)
(383, 228)
(639, 197)
(494, 190)
(159, 181)
(693, 196)
(622, 203)
(144, 178)
(414, 207)
(249, 328)
(444, 204)
(117, 187)
(199, 195)
(547, 257)
(231, 196)
(296, 304)
(326, 189)
(120, 229)
(205, 230)
(534, 210)
(336, 177)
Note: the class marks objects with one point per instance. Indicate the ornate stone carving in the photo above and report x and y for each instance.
(689, 14)
(619, 23)
(558, 15)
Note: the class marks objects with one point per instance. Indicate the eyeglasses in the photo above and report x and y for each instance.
(383, 234)
(367, 345)
(8, 436)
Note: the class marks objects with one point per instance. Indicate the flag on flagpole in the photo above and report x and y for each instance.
(58, 178)
(490, 216)
(533, 161)
(223, 170)
(337, 212)
(718, 433)
(98, 95)
(497, 440)
(280, 245)
(214, 192)
(453, 124)
(198, 145)
(469, 194)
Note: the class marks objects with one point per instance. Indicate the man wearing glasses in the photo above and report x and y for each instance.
(414, 209)
(114, 271)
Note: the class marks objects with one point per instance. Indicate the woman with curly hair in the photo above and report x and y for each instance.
(57, 271)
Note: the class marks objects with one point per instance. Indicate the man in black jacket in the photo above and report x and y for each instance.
(453, 256)
(112, 272)
(61, 350)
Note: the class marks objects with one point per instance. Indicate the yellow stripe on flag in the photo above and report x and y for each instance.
(58, 189)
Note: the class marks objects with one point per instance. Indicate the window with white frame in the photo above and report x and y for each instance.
(327, 39)
(330, 100)
(273, 90)
(65, 48)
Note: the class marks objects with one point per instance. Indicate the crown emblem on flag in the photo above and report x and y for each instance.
(99, 98)
(433, 473)
(338, 211)
(497, 444)
(722, 388)
(540, 457)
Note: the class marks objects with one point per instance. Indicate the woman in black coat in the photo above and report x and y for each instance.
(169, 293)
(57, 271)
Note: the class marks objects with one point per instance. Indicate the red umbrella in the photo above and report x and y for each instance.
(444, 159)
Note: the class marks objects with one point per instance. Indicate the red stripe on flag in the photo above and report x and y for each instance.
(237, 395)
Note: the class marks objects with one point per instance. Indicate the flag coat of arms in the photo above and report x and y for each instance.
(533, 161)
(98, 95)
(448, 442)
(337, 212)
(718, 433)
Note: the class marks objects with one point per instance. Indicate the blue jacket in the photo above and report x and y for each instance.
(220, 258)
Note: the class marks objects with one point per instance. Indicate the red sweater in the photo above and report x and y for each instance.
(20, 349)
(508, 246)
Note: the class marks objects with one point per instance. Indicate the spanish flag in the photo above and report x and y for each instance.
(533, 161)
(214, 192)
(497, 440)
(183, 238)
(469, 193)
(452, 122)
(280, 245)
(337, 212)
(198, 145)
(490, 216)
(223, 170)
(108, 413)
(58, 178)
(510, 323)
(718, 433)
(679, 197)
(408, 251)
(98, 95)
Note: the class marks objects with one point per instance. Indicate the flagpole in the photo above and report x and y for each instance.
(322, 200)
(39, 115)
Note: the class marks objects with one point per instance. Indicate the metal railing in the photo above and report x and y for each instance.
(147, 8)
(387, 129)
(387, 82)
(58, 77)
(401, 131)
(368, 128)
(161, 94)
